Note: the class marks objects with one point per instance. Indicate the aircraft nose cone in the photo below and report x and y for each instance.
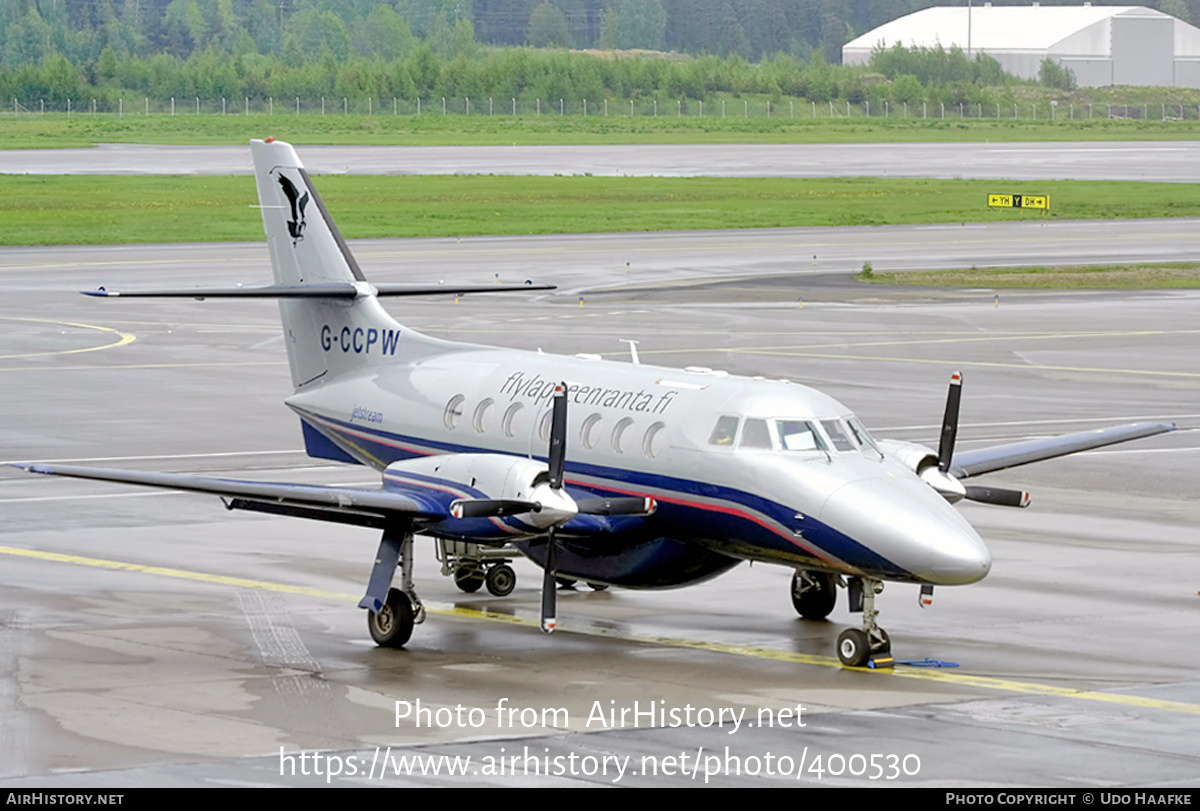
(960, 560)
(910, 526)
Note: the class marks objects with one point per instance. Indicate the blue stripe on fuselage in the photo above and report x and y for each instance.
(701, 521)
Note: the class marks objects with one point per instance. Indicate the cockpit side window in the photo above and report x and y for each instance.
(756, 435)
(798, 435)
(860, 434)
(724, 431)
(841, 441)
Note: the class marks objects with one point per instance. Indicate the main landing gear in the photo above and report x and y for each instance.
(814, 595)
(392, 612)
(392, 625)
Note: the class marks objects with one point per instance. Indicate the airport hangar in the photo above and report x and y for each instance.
(1101, 45)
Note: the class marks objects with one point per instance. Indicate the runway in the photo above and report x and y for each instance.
(1158, 161)
(155, 639)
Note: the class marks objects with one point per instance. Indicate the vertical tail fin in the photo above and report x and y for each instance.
(326, 338)
(306, 246)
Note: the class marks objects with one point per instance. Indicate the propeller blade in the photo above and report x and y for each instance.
(491, 507)
(950, 422)
(558, 436)
(549, 588)
(997, 495)
(620, 505)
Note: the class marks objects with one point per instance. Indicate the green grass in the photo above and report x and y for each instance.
(1092, 277)
(57, 130)
(95, 209)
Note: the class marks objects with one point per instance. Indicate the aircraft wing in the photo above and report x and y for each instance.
(362, 506)
(986, 460)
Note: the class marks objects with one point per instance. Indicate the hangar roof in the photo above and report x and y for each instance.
(992, 27)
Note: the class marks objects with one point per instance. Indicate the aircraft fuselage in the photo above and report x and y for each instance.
(741, 469)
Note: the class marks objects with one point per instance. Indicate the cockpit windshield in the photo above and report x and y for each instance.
(837, 435)
(799, 435)
(861, 436)
(841, 435)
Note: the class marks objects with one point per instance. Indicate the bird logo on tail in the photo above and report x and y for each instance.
(299, 203)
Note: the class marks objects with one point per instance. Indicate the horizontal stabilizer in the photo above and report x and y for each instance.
(999, 457)
(334, 290)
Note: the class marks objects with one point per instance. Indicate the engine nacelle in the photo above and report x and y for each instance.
(924, 462)
(913, 456)
(492, 475)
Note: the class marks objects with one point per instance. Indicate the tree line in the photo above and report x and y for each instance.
(80, 30)
(239, 50)
(497, 79)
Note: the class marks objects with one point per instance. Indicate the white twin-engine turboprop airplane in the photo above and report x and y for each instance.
(657, 478)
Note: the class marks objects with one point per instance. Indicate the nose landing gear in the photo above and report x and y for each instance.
(814, 595)
(871, 646)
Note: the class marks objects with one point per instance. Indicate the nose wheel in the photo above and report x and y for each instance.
(871, 646)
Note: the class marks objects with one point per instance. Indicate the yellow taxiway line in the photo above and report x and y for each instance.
(122, 338)
(941, 676)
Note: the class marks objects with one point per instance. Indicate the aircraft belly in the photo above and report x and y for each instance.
(649, 563)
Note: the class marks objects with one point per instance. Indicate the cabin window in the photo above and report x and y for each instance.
(798, 435)
(655, 440)
(509, 422)
(839, 438)
(454, 411)
(621, 433)
(756, 435)
(724, 431)
(479, 420)
(589, 432)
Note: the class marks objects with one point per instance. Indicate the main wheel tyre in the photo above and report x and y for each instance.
(468, 578)
(853, 648)
(597, 586)
(818, 599)
(393, 625)
(501, 580)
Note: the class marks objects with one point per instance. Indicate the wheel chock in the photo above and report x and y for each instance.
(879, 661)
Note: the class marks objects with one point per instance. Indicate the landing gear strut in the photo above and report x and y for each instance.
(871, 645)
(392, 612)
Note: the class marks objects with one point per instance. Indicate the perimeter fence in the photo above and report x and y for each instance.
(644, 108)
